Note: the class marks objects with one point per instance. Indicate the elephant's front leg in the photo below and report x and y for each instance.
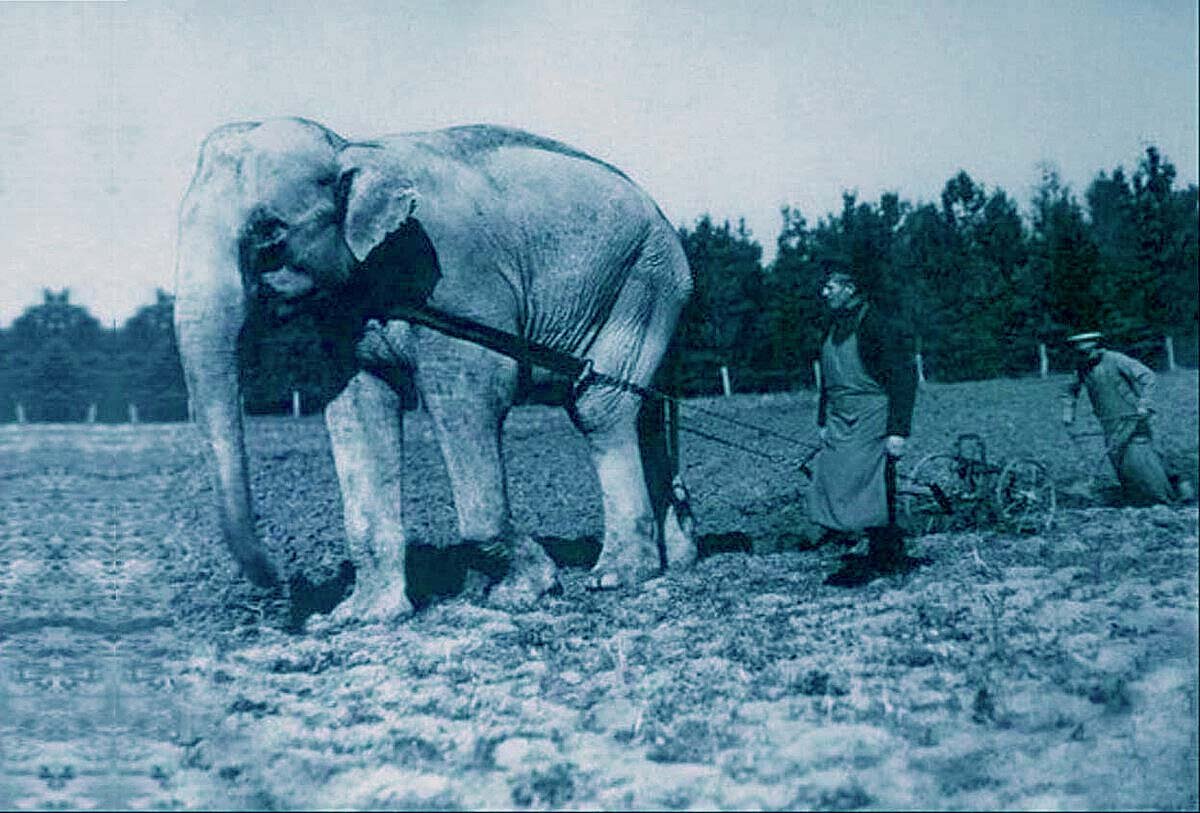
(366, 431)
(468, 392)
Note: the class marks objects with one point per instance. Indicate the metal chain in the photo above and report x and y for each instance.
(723, 442)
(650, 392)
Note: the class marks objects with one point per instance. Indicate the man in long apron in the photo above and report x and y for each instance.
(1121, 390)
(868, 388)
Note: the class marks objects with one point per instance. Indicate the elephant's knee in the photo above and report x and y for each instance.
(598, 411)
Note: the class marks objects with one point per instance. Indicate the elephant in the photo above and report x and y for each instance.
(516, 231)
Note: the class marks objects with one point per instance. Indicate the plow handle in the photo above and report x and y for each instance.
(941, 498)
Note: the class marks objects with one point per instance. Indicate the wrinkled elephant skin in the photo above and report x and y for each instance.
(516, 231)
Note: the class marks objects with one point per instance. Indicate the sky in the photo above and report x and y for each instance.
(733, 109)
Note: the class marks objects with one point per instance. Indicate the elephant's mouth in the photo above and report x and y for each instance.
(283, 294)
(288, 284)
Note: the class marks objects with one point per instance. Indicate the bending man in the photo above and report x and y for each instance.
(1121, 391)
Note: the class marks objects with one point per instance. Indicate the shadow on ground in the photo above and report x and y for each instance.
(435, 573)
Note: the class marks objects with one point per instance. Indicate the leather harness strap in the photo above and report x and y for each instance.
(579, 370)
(503, 342)
(515, 347)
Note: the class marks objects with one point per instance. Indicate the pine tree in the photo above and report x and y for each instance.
(721, 324)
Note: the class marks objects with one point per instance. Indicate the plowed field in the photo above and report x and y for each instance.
(1049, 670)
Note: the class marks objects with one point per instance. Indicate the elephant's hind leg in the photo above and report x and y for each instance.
(632, 466)
(366, 431)
(645, 526)
(468, 393)
(629, 551)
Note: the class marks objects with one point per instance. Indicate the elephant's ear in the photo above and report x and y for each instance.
(376, 204)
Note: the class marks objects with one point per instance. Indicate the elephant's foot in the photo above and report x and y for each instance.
(531, 575)
(373, 601)
(679, 540)
(387, 605)
(625, 565)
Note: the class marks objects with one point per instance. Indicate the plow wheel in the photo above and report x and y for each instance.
(922, 511)
(1025, 497)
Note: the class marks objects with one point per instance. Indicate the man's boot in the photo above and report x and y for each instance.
(886, 548)
(831, 537)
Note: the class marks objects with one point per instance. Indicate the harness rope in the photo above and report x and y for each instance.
(579, 370)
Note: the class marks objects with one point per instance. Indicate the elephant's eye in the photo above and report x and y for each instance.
(263, 232)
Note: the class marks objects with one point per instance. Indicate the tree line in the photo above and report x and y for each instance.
(977, 283)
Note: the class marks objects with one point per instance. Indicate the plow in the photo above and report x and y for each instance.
(962, 489)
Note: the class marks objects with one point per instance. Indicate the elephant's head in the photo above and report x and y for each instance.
(277, 210)
(314, 209)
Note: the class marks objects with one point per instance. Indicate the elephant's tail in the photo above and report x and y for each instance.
(658, 435)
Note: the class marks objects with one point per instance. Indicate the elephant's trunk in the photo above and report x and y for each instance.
(210, 308)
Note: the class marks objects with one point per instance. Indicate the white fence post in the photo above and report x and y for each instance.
(725, 381)
(1170, 353)
(295, 403)
(91, 413)
(1043, 360)
(20, 413)
(133, 415)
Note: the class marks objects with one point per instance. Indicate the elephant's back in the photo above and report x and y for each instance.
(478, 144)
(507, 159)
